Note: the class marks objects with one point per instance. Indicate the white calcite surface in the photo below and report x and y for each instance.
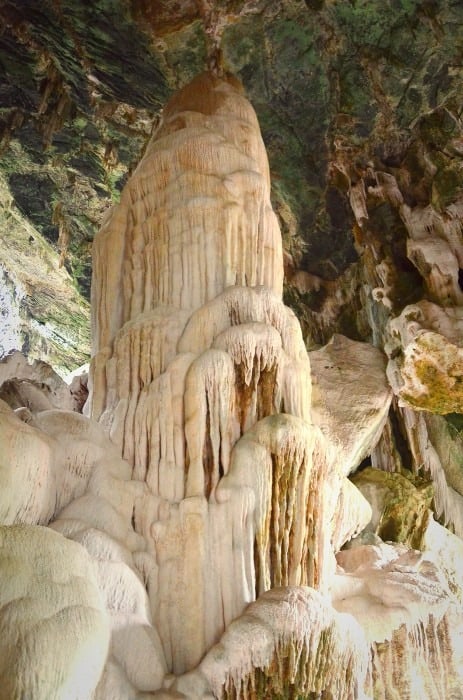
(408, 604)
(294, 628)
(385, 586)
(54, 628)
(195, 217)
(32, 384)
(60, 469)
(201, 376)
(351, 397)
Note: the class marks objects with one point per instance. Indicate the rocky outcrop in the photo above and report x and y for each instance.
(426, 366)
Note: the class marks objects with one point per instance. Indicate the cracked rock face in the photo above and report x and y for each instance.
(200, 507)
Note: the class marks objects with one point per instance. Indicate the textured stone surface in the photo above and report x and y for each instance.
(206, 389)
(200, 368)
(59, 469)
(400, 508)
(330, 657)
(41, 312)
(54, 628)
(351, 397)
(426, 366)
(347, 96)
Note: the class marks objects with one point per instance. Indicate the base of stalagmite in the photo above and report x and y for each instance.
(383, 599)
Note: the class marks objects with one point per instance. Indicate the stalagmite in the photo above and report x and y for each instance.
(204, 495)
(201, 375)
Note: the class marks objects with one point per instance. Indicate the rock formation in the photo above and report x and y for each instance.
(203, 537)
(199, 369)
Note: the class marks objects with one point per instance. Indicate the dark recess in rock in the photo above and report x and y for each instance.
(33, 195)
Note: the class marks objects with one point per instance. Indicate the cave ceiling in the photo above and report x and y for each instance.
(343, 90)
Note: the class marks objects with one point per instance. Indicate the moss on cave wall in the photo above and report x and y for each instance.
(402, 503)
(78, 91)
(41, 309)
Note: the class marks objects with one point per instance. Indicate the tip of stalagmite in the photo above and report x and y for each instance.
(206, 93)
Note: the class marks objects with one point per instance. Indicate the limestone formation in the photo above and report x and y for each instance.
(387, 588)
(341, 370)
(401, 509)
(426, 350)
(198, 510)
(54, 628)
(60, 469)
(425, 370)
(33, 385)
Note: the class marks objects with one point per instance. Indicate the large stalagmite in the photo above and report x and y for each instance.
(206, 497)
(200, 374)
